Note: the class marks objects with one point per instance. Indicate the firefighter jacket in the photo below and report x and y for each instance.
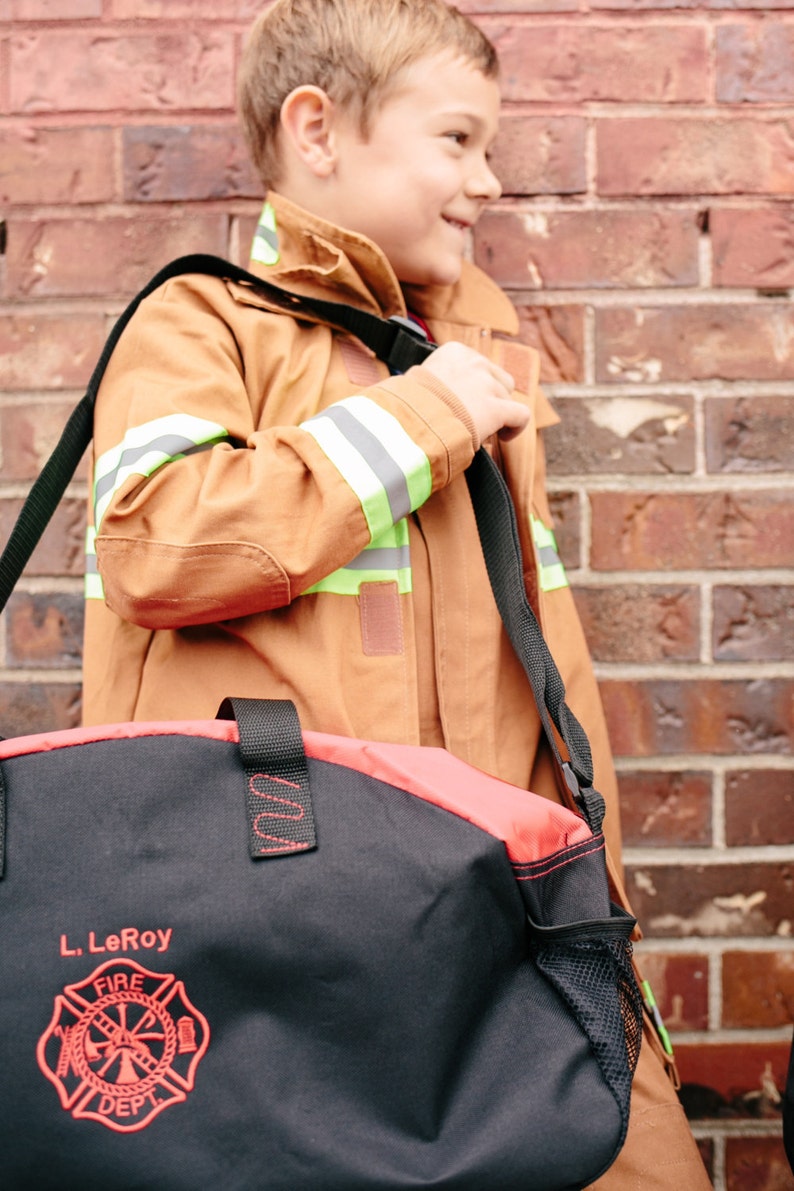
(273, 515)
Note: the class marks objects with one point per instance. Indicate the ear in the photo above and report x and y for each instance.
(307, 122)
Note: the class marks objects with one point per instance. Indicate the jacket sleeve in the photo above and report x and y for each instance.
(231, 474)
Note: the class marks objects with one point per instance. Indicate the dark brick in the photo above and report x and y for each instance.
(622, 435)
(759, 807)
(45, 631)
(713, 900)
(749, 435)
(665, 809)
(753, 624)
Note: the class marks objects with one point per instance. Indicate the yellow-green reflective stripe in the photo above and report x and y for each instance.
(146, 448)
(94, 588)
(386, 560)
(265, 250)
(551, 571)
(388, 472)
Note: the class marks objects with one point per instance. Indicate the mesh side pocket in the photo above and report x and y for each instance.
(595, 978)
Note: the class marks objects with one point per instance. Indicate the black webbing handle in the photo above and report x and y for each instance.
(278, 798)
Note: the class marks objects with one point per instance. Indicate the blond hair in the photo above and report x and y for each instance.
(352, 49)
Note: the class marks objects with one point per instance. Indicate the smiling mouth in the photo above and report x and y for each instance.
(463, 227)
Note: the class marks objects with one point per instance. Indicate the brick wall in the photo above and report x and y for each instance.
(647, 235)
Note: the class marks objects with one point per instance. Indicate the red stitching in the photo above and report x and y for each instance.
(599, 847)
(296, 815)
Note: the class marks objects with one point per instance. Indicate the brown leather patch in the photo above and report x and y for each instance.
(381, 619)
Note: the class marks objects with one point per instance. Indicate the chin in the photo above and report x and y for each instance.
(440, 275)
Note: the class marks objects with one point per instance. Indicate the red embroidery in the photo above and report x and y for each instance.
(123, 1045)
(279, 808)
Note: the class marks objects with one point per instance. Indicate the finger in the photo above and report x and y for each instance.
(503, 377)
(516, 418)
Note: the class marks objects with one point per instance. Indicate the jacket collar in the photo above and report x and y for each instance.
(305, 254)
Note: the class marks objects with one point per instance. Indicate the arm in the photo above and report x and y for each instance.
(210, 503)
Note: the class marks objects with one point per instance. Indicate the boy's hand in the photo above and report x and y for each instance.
(483, 387)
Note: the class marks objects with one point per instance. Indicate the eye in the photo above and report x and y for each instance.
(459, 138)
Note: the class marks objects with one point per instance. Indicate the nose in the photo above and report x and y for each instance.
(483, 182)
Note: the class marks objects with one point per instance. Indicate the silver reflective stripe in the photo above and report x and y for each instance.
(387, 560)
(93, 586)
(146, 448)
(386, 469)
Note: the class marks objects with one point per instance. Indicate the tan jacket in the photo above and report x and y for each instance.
(278, 517)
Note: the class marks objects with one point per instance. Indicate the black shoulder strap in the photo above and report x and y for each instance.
(397, 345)
(390, 340)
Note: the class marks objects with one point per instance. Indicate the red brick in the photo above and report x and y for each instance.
(578, 63)
(475, 7)
(749, 435)
(754, 624)
(753, 247)
(45, 631)
(759, 807)
(78, 70)
(541, 155)
(680, 986)
(713, 900)
(61, 550)
(179, 10)
(26, 708)
(736, 1074)
(735, 341)
(665, 809)
(757, 989)
(57, 165)
(535, 249)
(639, 623)
(755, 62)
(622, 436)
(186, 163)
(756, 1164)
(28, 434)
(663, 717)
(47, 258)
(694, 155)
(683, 531)
(49, 351)
(558, 334)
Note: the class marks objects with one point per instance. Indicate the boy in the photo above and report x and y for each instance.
(276, 516)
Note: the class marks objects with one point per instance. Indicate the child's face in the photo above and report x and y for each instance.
(421, 177)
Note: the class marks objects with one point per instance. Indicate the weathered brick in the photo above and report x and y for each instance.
(682, 531)
(713, 900)
(753, 247)
(622, 436)
(754, 624)
(665, 809)
(749, 435)
(757, 989)
(48, 350)
(650, 717)
(759, 807)
(734, 341)
(680, 986)
(757, 1164)
(61, 550)
(82, 71)
(49, 10)
(56, 165)
(47, 258)
(534, 249)
(475, 7)
(732, 1079)
(558, 334)
(26, 708)
(28, 433)
(44, 631)
(541, 155)
(646, 155)
(577, 63)
(638, 623)
(755, 62)
(186, 163)
(566, 511)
